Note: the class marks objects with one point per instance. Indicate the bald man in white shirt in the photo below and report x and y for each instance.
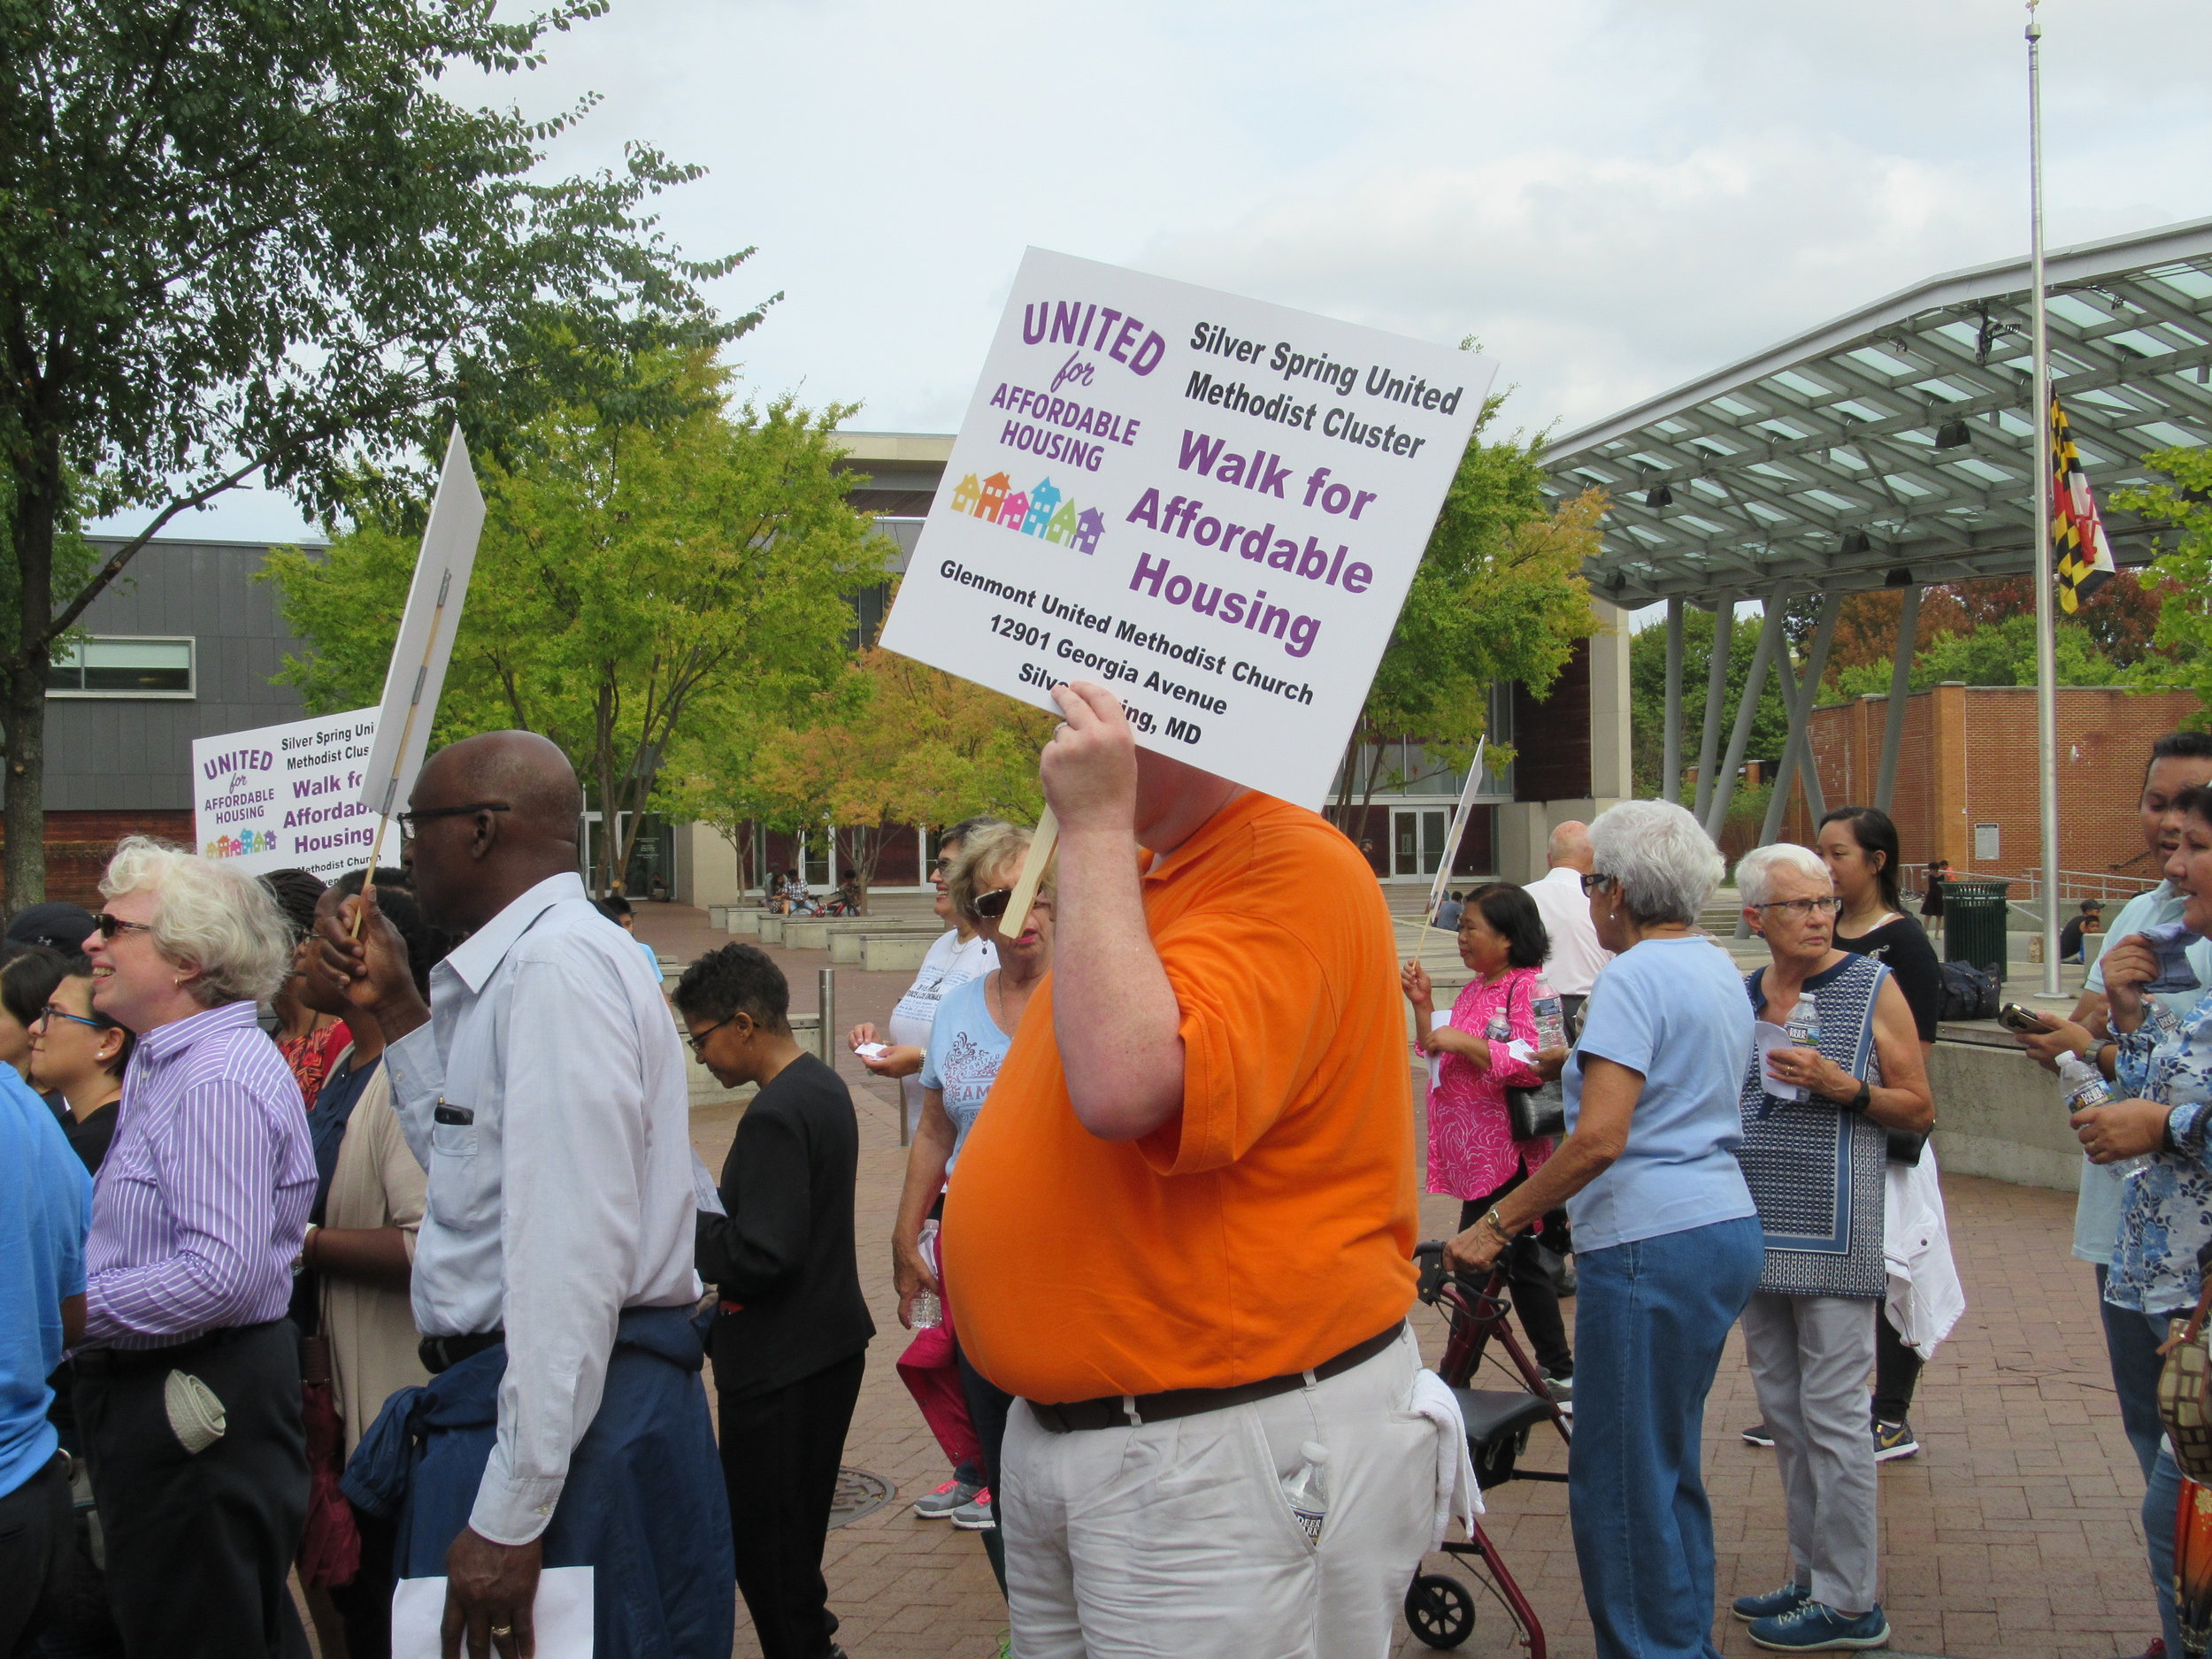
(1575, 956)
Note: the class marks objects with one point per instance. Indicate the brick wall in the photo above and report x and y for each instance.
(80, 844)
(1969, 758)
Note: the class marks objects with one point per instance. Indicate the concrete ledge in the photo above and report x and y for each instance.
(745, 923)
(770, 927)
(884, 953)
(1998, 1113)
(845, 946)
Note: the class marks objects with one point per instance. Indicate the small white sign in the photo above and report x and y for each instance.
(1211, 505)
(1985, 844)
(285, 797)
(425, 646)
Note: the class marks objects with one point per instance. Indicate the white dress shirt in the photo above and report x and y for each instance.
(549, 1225)
(1575, 956)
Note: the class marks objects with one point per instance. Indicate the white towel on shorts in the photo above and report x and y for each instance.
(1457, 1496)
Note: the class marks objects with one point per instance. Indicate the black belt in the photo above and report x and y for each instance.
(1125, 1410)
(123, 1361)
(443, 1353)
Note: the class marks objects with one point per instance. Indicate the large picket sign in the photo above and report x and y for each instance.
(1209, 504)
(285, 797)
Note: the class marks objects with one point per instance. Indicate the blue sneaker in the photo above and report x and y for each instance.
(1773, 1603)
(1814, 1627)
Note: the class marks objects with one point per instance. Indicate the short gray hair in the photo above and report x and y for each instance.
(1756, 870)
(207, 915)
(1666, 863)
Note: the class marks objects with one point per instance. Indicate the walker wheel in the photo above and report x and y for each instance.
(1439, 1610)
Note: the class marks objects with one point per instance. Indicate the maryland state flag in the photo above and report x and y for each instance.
(2084, 557)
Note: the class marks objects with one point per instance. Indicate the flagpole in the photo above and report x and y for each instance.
(2039, 416)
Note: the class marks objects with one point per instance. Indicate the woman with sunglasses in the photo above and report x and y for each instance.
(79, 1054)
(975, 1025)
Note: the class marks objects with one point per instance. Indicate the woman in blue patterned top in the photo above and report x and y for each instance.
(2166, 1066)
(1814, 1154)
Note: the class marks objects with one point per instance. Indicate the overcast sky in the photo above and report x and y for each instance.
(1613, 197)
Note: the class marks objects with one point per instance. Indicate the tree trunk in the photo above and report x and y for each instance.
(38, 500)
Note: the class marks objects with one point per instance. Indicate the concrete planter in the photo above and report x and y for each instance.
(744, 921)
(885, 953)
(846, 947)
(718, 917)
(770, 927)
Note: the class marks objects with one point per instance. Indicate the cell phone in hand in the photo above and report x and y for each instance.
(2012, 1016)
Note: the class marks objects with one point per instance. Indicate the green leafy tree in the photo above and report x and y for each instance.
(631, 582)
(256, 239)
(1996, 654)
(1498, 595)
(2183, 574)
(1647, 698)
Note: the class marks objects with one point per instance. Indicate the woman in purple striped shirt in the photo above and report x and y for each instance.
(188, 1384)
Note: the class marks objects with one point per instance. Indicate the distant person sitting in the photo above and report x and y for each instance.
(2089, 920)
(616, 909)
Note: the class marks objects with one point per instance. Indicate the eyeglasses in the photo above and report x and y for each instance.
(408, 821)
(1804, 907)
(698, 1038)
(1592, 883)
(50, 1013)
(110, 925)
(941, 867)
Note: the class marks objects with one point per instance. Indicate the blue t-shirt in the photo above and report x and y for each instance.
(966, 1049)
(1675, 1011)
(45, 1209)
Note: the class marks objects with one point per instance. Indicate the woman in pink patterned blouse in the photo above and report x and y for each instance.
(1482, 1050)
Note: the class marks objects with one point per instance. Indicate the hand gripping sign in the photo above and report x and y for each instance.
(1211, 504)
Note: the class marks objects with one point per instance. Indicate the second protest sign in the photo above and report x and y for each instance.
(1211, 505)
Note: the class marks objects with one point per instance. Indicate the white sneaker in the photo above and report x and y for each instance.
(941, 1503)
(975, 1515)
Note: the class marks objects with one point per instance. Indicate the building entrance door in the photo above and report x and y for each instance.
(1417, 841)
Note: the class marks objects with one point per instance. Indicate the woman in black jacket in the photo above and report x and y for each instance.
(791, 1328)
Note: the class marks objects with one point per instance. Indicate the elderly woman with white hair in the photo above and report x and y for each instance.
(1667, 1241)
(188, 1385)
(1840, 1067)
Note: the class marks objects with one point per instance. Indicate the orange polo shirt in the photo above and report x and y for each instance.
(1270, 1224)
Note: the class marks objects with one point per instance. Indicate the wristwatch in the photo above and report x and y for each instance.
(1858, 1101)
(1498, 1225)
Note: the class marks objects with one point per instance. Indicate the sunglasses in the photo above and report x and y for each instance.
(408, 821)
(110, 925)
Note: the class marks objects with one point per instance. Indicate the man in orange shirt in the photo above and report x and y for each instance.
(1180, 1232)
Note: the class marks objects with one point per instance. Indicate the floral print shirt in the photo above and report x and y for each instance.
(2169, 1212)
(1471, 1148)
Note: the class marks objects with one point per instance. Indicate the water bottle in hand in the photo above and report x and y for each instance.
(1551, 1023)
(929, 1308)
(2085, 1092)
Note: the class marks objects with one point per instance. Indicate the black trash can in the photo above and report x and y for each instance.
(1974, 913)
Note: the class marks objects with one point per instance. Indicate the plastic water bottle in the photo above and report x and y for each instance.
(1500, 1027)
(1551, 1023)
(1308, 1490)
(2085, 1092)
(928, 1309)
(1804, 1025)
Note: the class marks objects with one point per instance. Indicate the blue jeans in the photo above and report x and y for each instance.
(1650, 1321)
(2131, 1340)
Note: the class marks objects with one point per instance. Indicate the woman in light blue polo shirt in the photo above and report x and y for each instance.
(1667, 1243)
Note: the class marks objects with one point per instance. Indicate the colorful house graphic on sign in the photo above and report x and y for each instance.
(1042, 500)
(1041, 511)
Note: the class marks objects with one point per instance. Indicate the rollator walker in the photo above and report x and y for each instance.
(1440, 1607)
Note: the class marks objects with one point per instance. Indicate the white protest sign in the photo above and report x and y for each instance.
(285, 797)
(1211, 505)
(424, 645)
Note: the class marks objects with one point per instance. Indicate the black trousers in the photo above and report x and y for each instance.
(38, 1543)
(1534, 1297)
(365, 1604)
(779, 1456)
(1896, 1371)
(987, 1406)
(199, 1543)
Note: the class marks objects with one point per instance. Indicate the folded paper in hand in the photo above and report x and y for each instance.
(562, 1615)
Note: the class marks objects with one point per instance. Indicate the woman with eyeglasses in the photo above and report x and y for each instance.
(29, 975)
(79, 1055)
(954, 957)
(1667, 1241)
(1841, 1070)
(187, 1381)
(974, 1027)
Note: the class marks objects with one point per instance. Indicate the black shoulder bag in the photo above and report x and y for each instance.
(1541, 1110)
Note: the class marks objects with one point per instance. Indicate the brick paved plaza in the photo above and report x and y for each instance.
(2013, 1535)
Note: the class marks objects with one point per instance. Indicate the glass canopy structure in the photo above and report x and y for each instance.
(1891, 448)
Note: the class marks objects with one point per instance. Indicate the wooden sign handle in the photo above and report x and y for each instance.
(368, 876)
(1042, 843)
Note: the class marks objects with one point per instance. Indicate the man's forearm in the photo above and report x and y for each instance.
(1113, 1011)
